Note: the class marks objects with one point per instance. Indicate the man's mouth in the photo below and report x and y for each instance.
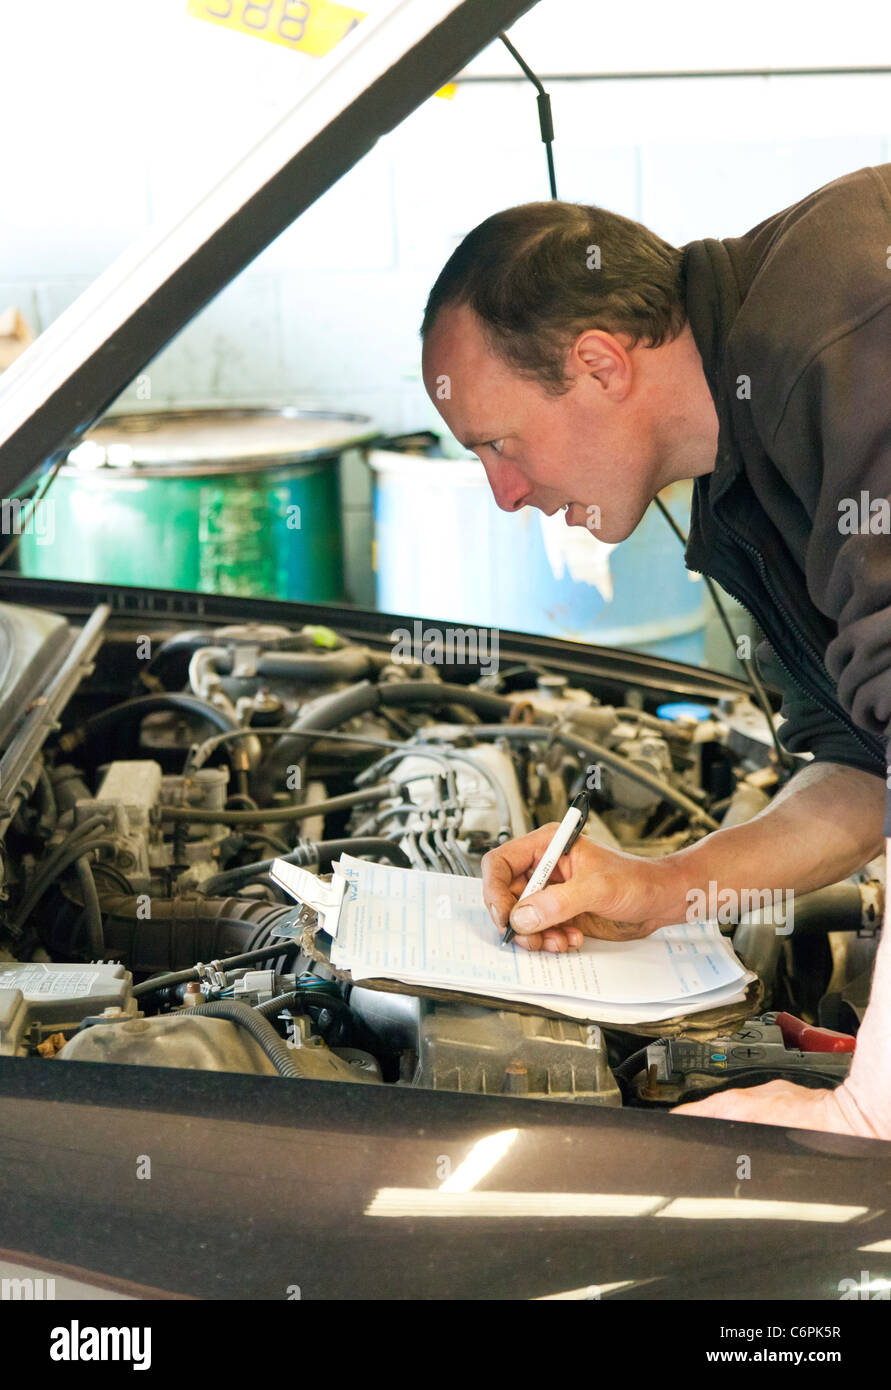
(574, 513)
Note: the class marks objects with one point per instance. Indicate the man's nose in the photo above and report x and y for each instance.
(509, 488)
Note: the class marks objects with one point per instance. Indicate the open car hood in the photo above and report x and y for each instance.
(380, 74)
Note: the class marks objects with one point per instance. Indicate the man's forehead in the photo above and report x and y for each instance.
(457, 331)
(456, 346)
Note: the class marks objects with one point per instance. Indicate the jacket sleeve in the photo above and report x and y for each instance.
(807, 727)
(841, 405)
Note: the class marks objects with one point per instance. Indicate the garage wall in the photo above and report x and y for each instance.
(132, 110)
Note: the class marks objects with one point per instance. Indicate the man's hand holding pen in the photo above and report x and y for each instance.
(592, 891)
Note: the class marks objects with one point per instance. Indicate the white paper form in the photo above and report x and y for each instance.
(434, 929)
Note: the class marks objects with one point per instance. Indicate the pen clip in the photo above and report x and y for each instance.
(583, 806)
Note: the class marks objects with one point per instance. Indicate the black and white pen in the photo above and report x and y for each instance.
(565, 836)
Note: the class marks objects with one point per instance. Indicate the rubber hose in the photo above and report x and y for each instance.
(617, 761)
(320, 852)
(141, 705)
(649, 721)
(51, 870)
(182, 646)
(482, 702)
(279, 813)
(364, 697)
(69, 786)
(92, 910)
(329, 850)
(347, 664)
(49, 809)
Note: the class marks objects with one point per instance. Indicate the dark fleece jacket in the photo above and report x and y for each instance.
(793, 322)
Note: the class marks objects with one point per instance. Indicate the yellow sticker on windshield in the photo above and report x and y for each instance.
(312, 26)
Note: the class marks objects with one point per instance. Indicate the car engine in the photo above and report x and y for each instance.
(148, 778)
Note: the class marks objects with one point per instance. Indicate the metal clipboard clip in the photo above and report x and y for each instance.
(320, 902)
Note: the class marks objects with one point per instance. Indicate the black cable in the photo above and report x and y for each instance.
(115, 874)
(321, 1000)
(73, 848)
(545, 117)
(281, 1001)
(633, 1064)
(580, 743)
(415, 748)
(133, 710)
(286, 1060)
(278, 845)
(208, 745)
(49, 814)
(279, 813)
(329, 712)
(747, 664)
(626, 768)
(184, 977)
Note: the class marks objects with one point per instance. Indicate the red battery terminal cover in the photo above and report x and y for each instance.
(808, 1038)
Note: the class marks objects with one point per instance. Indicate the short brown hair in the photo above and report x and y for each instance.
(527, 274)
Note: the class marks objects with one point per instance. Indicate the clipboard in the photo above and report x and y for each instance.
(320, 902)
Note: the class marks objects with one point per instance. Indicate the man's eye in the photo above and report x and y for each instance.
(497, 446)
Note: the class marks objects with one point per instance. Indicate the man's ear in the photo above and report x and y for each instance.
(602, 357)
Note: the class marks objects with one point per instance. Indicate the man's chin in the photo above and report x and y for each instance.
(590, 518)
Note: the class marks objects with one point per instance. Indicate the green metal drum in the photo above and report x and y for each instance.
(226, 501)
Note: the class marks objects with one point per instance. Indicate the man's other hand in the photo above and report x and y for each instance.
(785, 1104)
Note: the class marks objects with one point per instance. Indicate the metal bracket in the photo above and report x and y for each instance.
(212, 974)
(320, 901)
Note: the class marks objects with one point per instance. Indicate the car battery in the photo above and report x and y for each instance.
(774, 1046)
(38, 998)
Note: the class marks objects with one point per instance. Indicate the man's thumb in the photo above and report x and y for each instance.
(557, 903)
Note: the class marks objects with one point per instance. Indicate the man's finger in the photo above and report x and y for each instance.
(507, 867)
(559, 939)
(516, 857)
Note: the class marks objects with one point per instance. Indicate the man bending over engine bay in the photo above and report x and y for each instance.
(590, 364)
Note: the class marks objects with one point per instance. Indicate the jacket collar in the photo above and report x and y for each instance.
(712, 301)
